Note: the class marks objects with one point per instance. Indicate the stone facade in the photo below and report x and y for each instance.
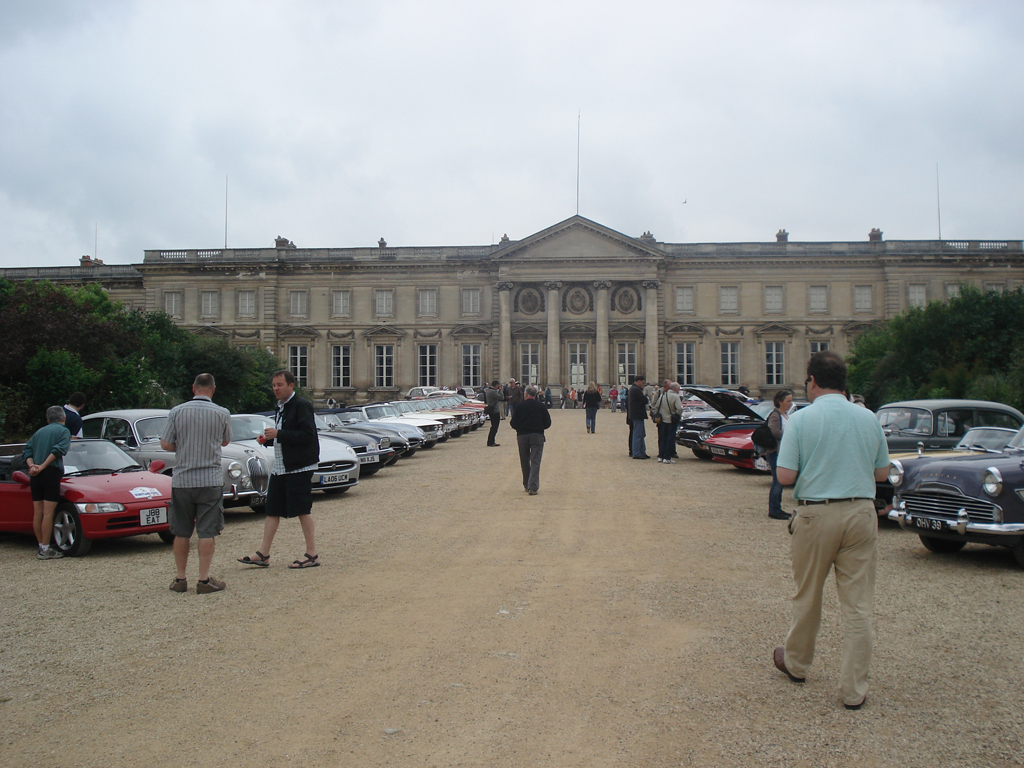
(573, 303)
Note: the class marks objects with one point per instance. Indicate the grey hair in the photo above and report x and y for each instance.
(54, 414)
(532, 391)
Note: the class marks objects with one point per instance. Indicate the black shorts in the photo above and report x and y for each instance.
(46, 485)
(290, 495)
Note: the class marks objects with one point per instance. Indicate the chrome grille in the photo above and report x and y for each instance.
(944, 505)
(335, 466)
(259, 474)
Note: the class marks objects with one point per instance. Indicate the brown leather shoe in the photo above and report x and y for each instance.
(779, 657)
(210, 585)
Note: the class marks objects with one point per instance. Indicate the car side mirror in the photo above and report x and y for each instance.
(156, 465)
(20, 477)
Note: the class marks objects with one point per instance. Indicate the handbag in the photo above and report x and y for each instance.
(655, 408)
(762, 437)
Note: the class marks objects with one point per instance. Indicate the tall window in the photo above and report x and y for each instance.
(729, 299)
(471, 301)
(385, 303)
(246, 303)
(384, 365)
(578, 364)
(428, 303)
(819, 346)
(995, 287)
(817, 298)
(297, 303)
(298, 363)
(686, 369)
(684, 299)
(773, 363)
(529, 362)
(341, 365)
(427, 367)
(209, 303)
(952, 290)
(916, 295)
(471, 372)
(341, 303)
(172, 303)
(772, 298)
(626, 362)
(730, 363)
(862, 298)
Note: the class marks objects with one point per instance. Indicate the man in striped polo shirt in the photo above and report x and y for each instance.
(196, 431)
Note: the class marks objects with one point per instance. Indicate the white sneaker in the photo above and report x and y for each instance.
(670, 461)
(660, 459)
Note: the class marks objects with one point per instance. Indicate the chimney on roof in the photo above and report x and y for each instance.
(782, 236)
(875, 235)
(88, 261)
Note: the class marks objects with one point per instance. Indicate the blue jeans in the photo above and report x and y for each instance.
(639, 433)
(775, 494)
(591, 418)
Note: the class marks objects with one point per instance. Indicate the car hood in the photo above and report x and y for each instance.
(961, 471)
(725, 404)
(122, 487)
(736, 438)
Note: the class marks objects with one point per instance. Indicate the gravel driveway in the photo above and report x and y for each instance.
(625, 616)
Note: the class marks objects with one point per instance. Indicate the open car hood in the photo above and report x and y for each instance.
(725, 404)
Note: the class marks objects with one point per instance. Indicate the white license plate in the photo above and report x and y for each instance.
(154, 516)
(762, 464)
(339, 477)
(718, 451)
(371, 459)
(930, 524)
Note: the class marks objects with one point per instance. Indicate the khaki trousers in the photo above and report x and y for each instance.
(843, 536)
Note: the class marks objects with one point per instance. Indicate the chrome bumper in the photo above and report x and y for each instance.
(961, 524)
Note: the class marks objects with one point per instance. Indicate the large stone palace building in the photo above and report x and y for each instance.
(574, 303)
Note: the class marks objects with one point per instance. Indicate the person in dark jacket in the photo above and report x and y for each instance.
(529, 420)
(636, 412)
(296, 447)
(493, 398)
(591, 402)
(776, 421)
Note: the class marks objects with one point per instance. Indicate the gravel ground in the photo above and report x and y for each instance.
(625, 616)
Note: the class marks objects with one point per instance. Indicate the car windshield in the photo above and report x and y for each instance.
(249, 426)
(906, 421)
(985, 439)
(321, 425)
(150, 429)
(1017, 441)
(95, 457)
(350, 417)
(377, 412)
(331, 419)
(763, 408)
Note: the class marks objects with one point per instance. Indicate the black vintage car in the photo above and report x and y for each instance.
(729, 412)
(937, 425)
(954, 501)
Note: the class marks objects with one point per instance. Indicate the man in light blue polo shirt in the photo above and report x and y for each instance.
(832, 453)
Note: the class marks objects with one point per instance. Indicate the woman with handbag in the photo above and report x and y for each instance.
(776, 422)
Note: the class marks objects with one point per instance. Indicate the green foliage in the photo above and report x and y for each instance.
(960, 348)
(59, 339)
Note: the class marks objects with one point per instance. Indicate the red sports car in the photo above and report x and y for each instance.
(105, 494)
(735, 447)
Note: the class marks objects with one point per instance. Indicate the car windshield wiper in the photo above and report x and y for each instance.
(93, 471)
(130, 468)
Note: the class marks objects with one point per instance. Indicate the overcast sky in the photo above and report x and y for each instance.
(452, 123)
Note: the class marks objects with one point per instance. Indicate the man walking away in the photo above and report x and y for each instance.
(529, 420)
(493, 397)
(636, 411)
(832, 453)
(72, 414)
(195, 432)
(44, 453)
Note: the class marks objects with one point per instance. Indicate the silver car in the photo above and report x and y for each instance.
(137, 432)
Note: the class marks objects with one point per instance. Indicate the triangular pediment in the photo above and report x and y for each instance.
(696, 328)
(385, 330)
(623, 329)
(860, 327)
(298, 331)
(463, 331)
(529, 330)
(209, 330)
(775, 329)
(578, 238)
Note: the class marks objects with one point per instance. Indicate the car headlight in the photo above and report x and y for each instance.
(992, 483)
(385, 442)
(896, 473)
(105, 507)
(705, 435)
(235, 470)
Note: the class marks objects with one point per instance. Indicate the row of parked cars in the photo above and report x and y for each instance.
(957, 472)
(117, 480)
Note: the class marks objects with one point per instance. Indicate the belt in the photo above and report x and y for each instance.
(808, 502)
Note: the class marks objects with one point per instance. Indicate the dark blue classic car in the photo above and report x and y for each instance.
(958, 500)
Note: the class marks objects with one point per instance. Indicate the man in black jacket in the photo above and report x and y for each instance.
(529, 420)
(636, 412)
(296, 447)
(493, 397)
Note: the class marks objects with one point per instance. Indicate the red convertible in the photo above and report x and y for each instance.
(105, 494)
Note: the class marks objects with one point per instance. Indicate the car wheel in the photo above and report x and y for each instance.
(942, 546)
(166, 537)
(703, 455)
(429, 444)
(67, 532)
(410, 453)
(1018, 551)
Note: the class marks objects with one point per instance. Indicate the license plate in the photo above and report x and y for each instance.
(762, 464)
(931, 525)
(372, 459)
(154, 516)
(339, 477)
(718, 451)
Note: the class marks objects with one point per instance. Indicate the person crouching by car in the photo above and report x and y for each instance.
(44, 453)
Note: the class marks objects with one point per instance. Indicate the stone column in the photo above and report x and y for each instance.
(652, 343)
(504, 331)
(554, 372)
(602, 375)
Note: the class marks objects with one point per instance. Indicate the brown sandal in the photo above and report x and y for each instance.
(260, 560)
